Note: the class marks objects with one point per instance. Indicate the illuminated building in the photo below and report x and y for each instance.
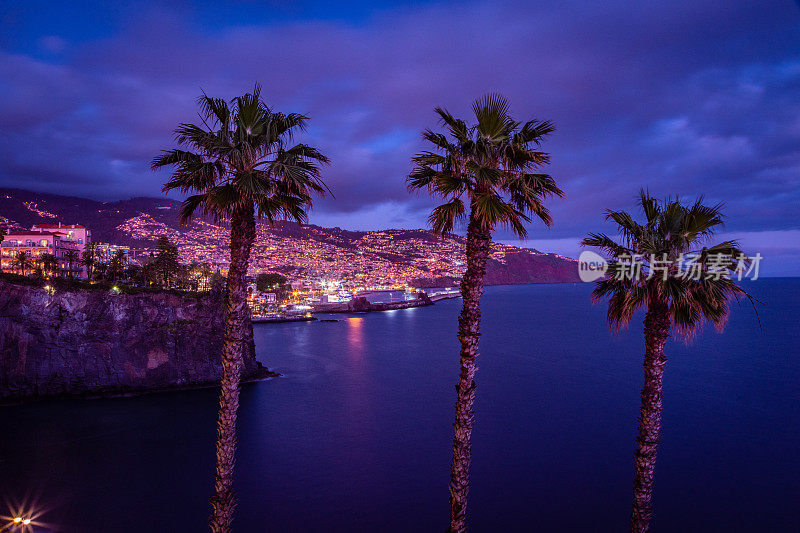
(78, 236)
(35, 244)
(105, 252)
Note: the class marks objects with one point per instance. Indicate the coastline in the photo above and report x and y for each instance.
(362, 305)
(263, 374)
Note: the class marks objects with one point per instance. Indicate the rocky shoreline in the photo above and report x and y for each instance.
(92, 343)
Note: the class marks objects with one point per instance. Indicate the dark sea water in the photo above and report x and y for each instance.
(356, 435)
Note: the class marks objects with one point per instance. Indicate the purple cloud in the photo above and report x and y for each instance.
(690, 98)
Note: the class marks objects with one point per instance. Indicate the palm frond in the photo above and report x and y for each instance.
(190, 206)
(457, 127)
(443, 217)
(491, 112)
(491, 161)
(671, 230)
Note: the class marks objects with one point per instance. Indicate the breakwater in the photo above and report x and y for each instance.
(361, 305)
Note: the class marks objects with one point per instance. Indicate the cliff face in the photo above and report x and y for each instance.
(516, 269)
(95, 343)
(522, 267)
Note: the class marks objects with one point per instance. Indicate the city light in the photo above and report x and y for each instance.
(23, 517)
(319, 261)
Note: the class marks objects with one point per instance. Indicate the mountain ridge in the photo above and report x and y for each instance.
(416, 256)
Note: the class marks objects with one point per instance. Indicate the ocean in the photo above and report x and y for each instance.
(356, 434)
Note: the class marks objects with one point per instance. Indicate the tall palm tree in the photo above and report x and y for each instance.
(240, 166)
(682, 282)
(489, 167)
(23, 261)
(71, 257)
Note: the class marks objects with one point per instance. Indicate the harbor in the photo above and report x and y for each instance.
(343, 301)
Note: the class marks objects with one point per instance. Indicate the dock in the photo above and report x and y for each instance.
(277, 319)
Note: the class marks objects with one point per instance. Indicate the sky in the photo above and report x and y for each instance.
(683, 98)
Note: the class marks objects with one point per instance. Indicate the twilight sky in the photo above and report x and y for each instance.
(683, 97)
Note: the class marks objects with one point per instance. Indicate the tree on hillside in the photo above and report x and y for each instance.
(240, 164)
(672, 297)
(99, 269)
(89, 258)
(134, 274)
(49, 264)
(23, 261)
(486, 173)
(166, 263)
(71, 258)
(116, 265)
(269, 281)
(198, 276)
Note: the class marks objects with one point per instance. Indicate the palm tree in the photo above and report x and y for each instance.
(89, 258)
(99, 269)
(49, 263)
(116, 265)
(71, 257)
(659, 268)
(23, 261)
(490, 165)
(240, 167)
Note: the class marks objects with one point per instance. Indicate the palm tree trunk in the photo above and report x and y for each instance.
(236, 314)
(656, 332)
(469, 332)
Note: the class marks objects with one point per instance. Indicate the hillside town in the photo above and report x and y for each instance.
(288, 274)
(191, 260)
(318, 259)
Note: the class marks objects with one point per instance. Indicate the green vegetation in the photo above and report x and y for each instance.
(491, 165)
(270, 281)
(23, 262)
(71, 258)
(670, 231)
(88, 258)
(66, 284)
(49, 265)
(240, 166)
(165, 266)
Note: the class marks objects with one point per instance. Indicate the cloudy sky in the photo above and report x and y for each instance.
(692, 98)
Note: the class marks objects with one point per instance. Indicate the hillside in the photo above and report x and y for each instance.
(302, 251)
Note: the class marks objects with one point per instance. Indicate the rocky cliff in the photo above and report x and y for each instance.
(521, 267)
(94, 343)
(516, 268)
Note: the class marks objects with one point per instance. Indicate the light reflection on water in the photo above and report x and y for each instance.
(355, 336)
(356, 436)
